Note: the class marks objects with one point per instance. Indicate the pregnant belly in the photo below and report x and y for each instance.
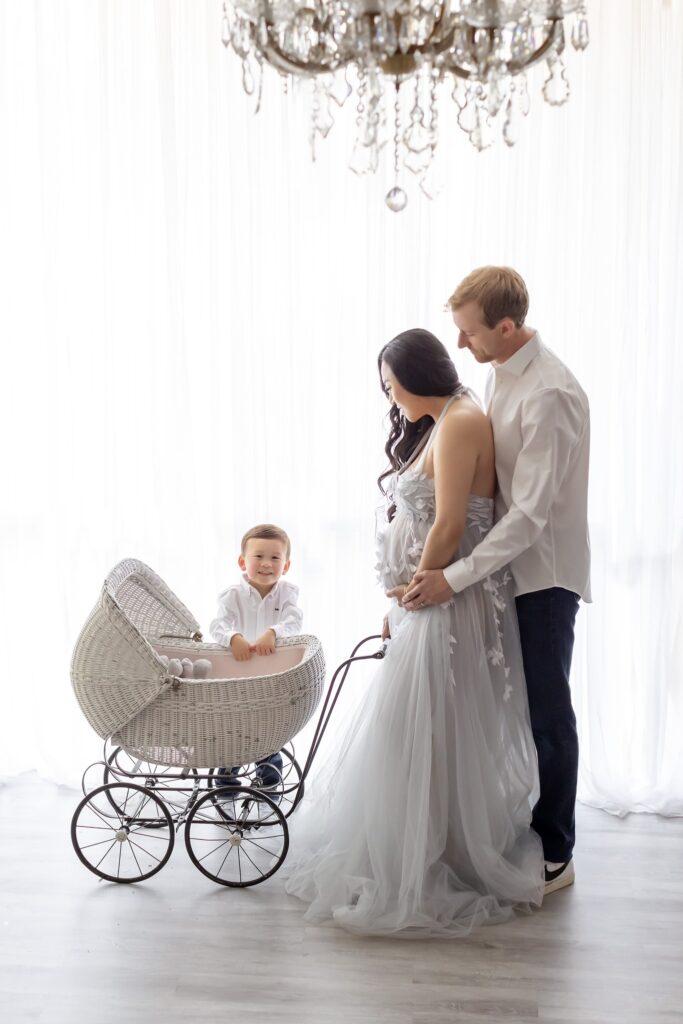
(400, 555)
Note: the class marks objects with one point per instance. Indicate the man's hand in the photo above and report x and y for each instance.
(427, 587)
(266, 643)
(240, 648)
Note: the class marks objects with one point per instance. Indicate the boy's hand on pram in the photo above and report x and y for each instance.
(240, 648)
(266, 643)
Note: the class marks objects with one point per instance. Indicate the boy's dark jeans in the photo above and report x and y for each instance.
(546, 627)
(272, 778)
(274, 759)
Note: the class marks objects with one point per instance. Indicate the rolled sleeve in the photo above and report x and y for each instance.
(226, 624)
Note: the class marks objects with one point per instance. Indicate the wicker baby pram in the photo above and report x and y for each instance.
(167, 736)
(126, 692)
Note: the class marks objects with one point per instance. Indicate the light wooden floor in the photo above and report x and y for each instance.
(178, 949)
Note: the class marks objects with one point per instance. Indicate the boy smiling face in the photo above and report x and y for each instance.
(264, 561)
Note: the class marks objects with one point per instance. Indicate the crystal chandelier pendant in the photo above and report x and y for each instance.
(483, 51)
(225, 27)
(339, 89)
(512, 124)
(580, 33)
(396, 199)
(556, 87)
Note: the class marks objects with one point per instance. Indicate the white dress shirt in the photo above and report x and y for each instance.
(241, 609)
(541, 429)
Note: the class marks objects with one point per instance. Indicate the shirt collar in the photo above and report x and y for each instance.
(246, 586)
(517, 364)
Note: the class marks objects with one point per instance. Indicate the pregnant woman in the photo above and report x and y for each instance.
(421, 822)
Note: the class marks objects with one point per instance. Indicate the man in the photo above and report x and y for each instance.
(541, 427)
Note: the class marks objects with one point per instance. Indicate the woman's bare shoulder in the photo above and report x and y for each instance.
(464, 420)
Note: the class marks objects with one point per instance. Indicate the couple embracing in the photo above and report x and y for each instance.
(449, 801)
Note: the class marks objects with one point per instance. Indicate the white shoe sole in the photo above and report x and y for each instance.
(562, 881)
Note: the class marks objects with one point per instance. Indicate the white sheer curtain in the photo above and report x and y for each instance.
(191, 313)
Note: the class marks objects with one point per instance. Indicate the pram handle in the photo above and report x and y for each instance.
(332, 695)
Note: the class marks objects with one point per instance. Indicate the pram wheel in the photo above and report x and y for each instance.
(177, 795)
(125, 846)
(238, 840)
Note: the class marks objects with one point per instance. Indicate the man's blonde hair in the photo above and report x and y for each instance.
(500, 292)
(266, 531)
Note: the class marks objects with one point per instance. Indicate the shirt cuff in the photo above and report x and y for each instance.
(224, 636)
(458, 576)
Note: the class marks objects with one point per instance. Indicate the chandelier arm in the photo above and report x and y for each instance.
(274, 55)
(540, 53)
(515, 67)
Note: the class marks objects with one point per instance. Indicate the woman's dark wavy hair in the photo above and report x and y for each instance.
(422, 365)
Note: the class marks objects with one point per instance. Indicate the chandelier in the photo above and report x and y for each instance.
(398, 57)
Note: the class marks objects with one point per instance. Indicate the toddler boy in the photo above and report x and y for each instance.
(253, 613)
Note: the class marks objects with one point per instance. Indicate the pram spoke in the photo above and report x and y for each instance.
(248, 823)
(159, 779)
(125, 859)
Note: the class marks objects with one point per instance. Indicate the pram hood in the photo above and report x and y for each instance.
(113, 655)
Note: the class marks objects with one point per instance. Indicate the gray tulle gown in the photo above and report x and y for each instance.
(418, 824)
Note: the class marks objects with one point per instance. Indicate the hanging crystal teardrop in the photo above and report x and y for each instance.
(391, 43)
(364, 159)
(406, 33)
(339, 88)
(522, 89)
(580, 34)
(512, 123)
(482, 45)
(481, 135)
(556, 87)
(241, 38)
(431, 182)
(424, 27)
(324, 120)
(225, 30)
(520, 44)
(467, 115)
(459, 93)
(380, 31)
(396, 199)
(495, 96)
(461, 46)
(248, 83)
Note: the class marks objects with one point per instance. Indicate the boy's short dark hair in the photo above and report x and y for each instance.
(267, 531)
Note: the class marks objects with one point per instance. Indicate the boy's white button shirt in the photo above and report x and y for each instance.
(541, 428)
(241, 609)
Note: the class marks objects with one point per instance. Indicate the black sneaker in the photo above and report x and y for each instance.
(558, 876)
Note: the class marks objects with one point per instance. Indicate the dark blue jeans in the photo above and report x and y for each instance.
(546, 627)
